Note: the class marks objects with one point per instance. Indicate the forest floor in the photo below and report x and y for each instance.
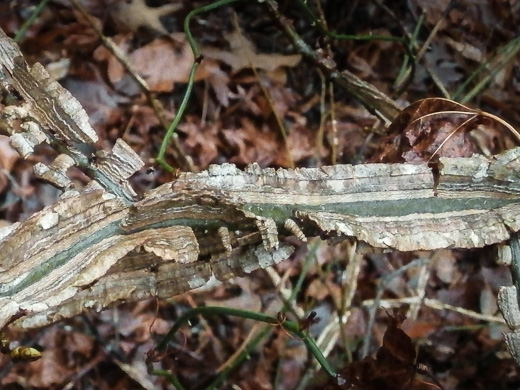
(256, 99)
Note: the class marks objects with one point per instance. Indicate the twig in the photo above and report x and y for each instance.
(318, 23)
(426, 45)
(373, 99)
(269, 98)
(437, 305)
(321, 25)
(170, 133)
(437, 81)
(334, 141)
(334, 126)
(184, 161)
(321, 130)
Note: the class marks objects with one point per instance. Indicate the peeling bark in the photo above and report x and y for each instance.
(102, 245)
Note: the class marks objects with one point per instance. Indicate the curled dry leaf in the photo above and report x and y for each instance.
(437, 127)
(393, 368)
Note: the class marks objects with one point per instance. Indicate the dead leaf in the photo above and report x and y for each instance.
(436, 127)
(442, 65)
(393, 368)
(162, 65)
(202, 142)
(130, 16)
(251, 144)
(115, 70)
(218, 80)
(242, 55)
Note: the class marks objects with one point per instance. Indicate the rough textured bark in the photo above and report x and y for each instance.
(94, 249)
(102, 245)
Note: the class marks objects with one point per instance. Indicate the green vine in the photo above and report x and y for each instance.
(28, 23)
(291, 327)
(198, 58)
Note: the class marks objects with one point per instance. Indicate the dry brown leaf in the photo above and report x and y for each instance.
(162, 65)
(435, 127)
(319, 289)
(242, 55)
(300, 141)
(393, 368)
(202, 142)
(218, 80)
(136, 14)
(115, 70)
(251, 144)
(100, 102)
(442, 65)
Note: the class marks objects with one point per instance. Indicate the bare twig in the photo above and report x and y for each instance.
(373, 99)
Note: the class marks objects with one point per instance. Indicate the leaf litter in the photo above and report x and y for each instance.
(231, 120)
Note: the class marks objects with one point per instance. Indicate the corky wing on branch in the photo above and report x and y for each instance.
(471, 203)
(49, 113)
(81, 252)
(94, 250)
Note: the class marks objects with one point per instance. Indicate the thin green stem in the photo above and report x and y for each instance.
(196, 53)
(242, 356)
(19, 35)
(404, 74)
(315, 22)
(309, 260)
(171, 129)
(209, 311)
(289, 326)
(171, 377)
